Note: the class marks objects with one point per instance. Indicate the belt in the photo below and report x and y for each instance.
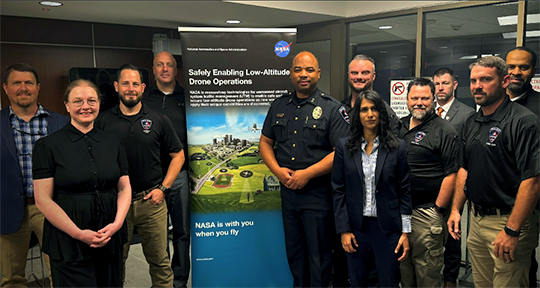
(29, 201)
(140, 195)
(485, 211)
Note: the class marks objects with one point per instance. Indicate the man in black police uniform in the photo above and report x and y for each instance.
(499, 166)
(360, 77)
(306, 126)
(167, 97)
(521, 63)
(433, 147)
(145, 134)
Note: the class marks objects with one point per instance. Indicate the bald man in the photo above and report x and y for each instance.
(167, 97)
(306, 125)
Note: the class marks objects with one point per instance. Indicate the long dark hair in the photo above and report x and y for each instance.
(387, 138)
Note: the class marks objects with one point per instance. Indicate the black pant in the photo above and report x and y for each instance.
(102, 270)
(452, 259)
(374, 246)
(308, 224)
(179, 210)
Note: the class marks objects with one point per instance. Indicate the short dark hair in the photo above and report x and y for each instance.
(528, 50)
(492, 62)
(20, 67)
(444, 70)
(78, 83)
(420, 81)
(128, 67)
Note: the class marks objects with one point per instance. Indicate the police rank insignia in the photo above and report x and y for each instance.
(317, 112)
(146, 125)
(493, 134)
(344, 115)
(418, 137)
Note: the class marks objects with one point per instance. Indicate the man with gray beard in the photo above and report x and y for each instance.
(433, 148)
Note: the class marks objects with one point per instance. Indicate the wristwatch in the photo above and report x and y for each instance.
(511, 232)
(164, 189)
(440, 209)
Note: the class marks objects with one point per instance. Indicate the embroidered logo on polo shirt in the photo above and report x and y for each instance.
(493, 134)
(418, 137)
(146, 125)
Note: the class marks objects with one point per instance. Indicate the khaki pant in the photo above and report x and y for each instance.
(14, 248)
(423, 266)
(151, 223)
(489, 271)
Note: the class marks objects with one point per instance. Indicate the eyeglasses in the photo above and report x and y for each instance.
(90, 102)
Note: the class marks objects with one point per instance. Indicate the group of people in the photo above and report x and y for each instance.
(393, 190)
(95, 178)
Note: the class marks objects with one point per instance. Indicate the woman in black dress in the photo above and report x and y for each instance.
(82, 187)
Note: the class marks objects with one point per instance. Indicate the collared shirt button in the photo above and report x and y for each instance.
(298, 106)
(314, 126)
(293, 145)
(92, 160)
(295, 118)
(292, 158)
(95, 173)
(294, 131)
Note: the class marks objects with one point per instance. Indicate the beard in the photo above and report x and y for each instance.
(517, 87)
(359, 90)
(130, 103)
(422, 114)
(488, 98)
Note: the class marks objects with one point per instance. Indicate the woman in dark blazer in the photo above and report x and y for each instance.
(372, 202)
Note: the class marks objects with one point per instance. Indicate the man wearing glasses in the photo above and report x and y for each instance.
(23, 122)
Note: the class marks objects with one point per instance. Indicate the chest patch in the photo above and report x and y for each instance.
(146, 125)
(493, 134)
(418, 137)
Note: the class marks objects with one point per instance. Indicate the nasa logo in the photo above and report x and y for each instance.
(282, 49)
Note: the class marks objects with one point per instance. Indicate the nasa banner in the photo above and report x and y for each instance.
(231, 77)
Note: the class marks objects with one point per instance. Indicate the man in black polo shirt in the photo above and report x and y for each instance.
(167, 97)
(360, 78)
(305, 125)
(499, 165)
(433, 147)
(146, 135)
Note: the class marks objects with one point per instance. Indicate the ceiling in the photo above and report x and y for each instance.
(171, 14)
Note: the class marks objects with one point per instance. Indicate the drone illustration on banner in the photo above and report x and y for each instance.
(254, 128)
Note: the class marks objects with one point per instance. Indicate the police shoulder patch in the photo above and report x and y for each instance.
(344, 114)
